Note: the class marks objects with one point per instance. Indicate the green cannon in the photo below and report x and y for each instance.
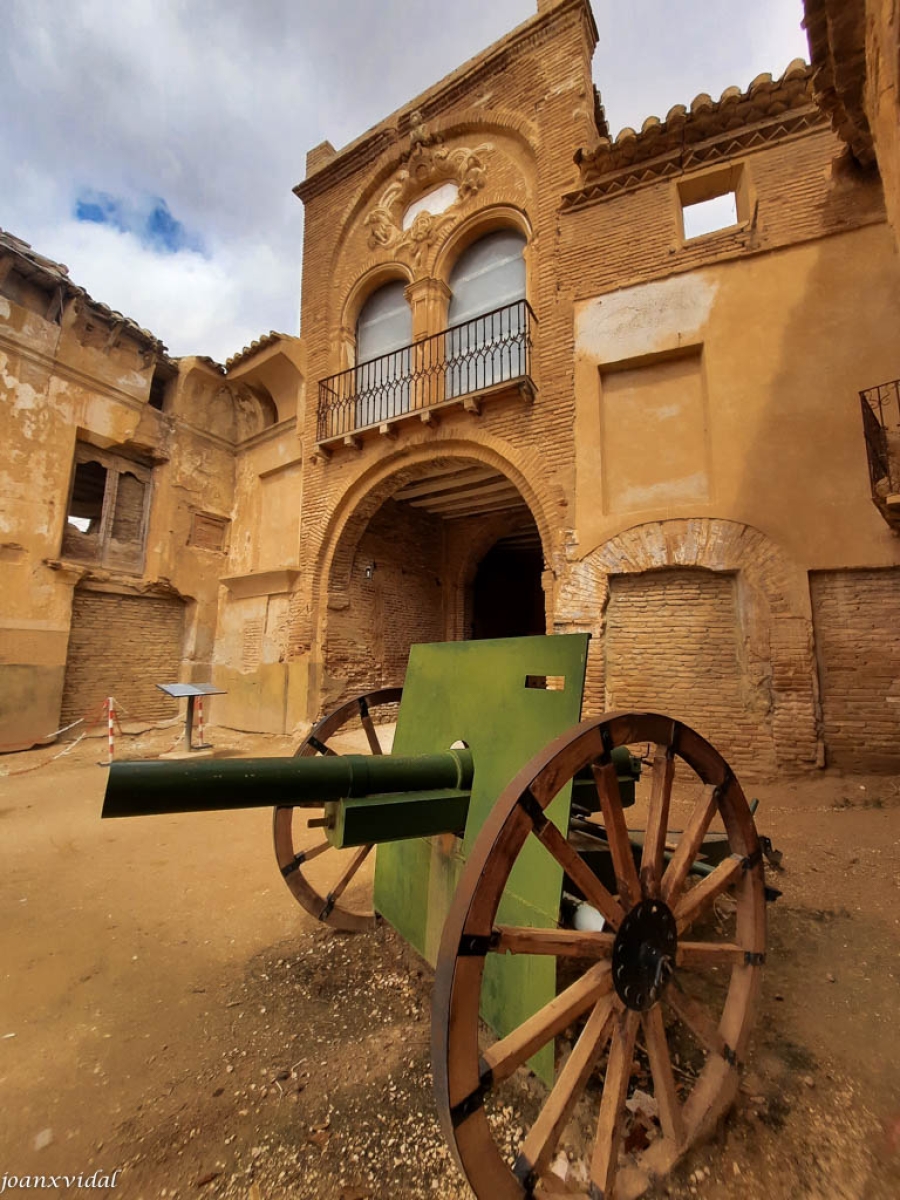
(573, 955)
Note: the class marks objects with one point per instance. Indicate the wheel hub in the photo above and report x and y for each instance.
(643, 956)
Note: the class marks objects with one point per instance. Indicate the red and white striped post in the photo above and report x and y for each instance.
(202, 739)
(111, 722)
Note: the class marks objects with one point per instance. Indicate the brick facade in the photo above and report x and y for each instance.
(122, 646)
(857, 615)
(774, 625)
(673, 645)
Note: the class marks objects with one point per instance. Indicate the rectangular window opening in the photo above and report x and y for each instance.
(709, 216)
(162, 377)
(713, 201)
(546, 683)
(106, 520)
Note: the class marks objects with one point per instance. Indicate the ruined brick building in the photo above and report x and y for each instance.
(531, 393)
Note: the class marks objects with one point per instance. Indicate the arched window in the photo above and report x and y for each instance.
(486, 341)
(383, 358)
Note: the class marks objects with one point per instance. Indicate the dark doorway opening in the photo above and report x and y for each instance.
(507, 596)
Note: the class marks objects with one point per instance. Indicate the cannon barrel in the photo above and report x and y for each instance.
(146, 788)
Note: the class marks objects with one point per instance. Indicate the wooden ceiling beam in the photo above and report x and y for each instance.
(447, 483)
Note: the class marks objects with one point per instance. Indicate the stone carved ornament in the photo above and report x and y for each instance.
(427, 164)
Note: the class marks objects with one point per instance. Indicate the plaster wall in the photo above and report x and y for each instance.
(732, 391)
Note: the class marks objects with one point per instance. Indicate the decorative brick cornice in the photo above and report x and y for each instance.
(711, 131)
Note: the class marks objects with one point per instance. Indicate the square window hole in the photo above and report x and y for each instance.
(707, 216)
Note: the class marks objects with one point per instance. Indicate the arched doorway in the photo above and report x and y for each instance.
(451, 552)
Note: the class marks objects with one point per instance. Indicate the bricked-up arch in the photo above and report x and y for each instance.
(772, 607)
(370, 498)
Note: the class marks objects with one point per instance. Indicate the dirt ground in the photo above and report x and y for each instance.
(168, 1012)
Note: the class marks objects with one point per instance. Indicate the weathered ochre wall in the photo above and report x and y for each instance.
(56, 379)
(264, 692)
(74, 373)
(760, 419)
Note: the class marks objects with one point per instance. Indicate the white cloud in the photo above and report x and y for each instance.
(213, 105)
(198, 304)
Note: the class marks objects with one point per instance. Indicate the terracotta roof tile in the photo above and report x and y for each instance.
(32, 264)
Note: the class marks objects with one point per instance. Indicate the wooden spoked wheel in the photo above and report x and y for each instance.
(321, 890)
(659, 997)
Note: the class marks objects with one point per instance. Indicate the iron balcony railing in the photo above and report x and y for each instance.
(471, 357)
(881, 425)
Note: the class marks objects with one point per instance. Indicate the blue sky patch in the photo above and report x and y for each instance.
(148, 219)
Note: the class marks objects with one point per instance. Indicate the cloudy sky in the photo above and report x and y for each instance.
(151, 145)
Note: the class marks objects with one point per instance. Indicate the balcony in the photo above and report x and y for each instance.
(463, 365)
(881, 425)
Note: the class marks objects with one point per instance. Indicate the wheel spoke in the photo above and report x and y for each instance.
(670, 1117)
(505, 1056)
(617, 834)
(702, 895)
(309, 855)
(694, 1017)
(304, 856)
(338, 890)
(371, 735)
(657, 821)
(689, 847)
(579, 872)
(554, 1116)
(612, 1106)
(708, 954)
(565, 943)
(322, 747)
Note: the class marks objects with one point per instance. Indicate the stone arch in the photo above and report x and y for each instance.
(360, 502)
(366, 495)
(774, 614)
